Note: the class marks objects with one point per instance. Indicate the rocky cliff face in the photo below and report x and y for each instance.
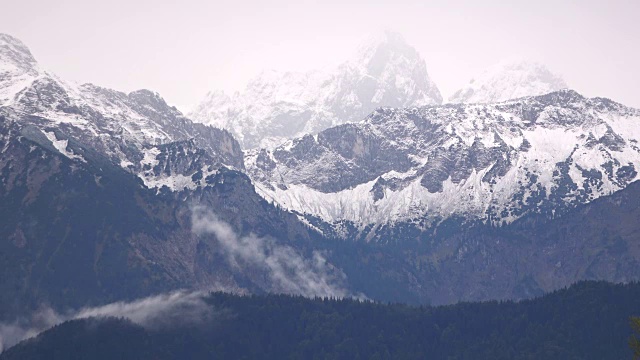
(277, 106)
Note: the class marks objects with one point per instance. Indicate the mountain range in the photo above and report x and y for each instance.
(108, 196)
(490, 162)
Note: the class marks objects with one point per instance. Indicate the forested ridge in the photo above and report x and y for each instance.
(589, 320)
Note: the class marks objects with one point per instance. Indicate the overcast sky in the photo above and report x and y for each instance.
(183, 49)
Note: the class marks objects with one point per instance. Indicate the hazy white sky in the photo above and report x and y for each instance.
(183, 49)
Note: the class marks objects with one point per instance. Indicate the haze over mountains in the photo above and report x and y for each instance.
(509, 79)
(386, 71)
(354, 183)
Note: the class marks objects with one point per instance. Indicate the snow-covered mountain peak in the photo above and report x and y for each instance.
(15, 53)
(276, 106)
(138, 131)
(385, 43)
(399, 70)
(153, 101)
(18, 68)
(510, 78)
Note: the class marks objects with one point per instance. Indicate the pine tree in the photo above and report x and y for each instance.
(634, 342)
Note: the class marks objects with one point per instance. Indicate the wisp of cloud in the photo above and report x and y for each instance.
(288, 271)
(173, 309)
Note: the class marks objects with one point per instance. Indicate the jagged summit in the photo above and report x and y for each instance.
(381, 45)
(18, 68)
(388, 58)
(127, 129)
(15, 52)
(276, 106)
(152, 99)
(511, 78)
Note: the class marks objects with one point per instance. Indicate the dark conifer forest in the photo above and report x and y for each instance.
(589, 320)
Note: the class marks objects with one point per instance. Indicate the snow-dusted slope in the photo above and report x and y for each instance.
(276, 106)
(125, 128)
(491, 162)
(18, 68)
(509, 79)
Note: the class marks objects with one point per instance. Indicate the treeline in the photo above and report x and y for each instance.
(590, 320)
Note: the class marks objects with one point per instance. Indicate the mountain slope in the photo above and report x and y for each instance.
(493, 162)
(79, 232)
(458, 260)
(17, 68)
(126, 128)
(276, 106)
(509, 79)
